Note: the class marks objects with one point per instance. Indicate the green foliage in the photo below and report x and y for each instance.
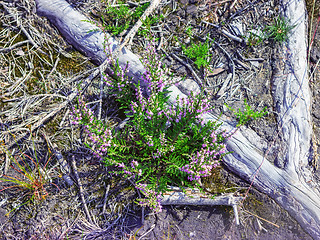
(160, 145)
(189, 31)
(121, 17)
(255, 39)
(279, 30)
(145, 30)
(198, 52)
(248, 114)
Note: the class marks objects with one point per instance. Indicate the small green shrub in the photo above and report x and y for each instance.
(248, 114)
(121, 17)
(279, 30)
(199, 53)
(161, 144)
(189, 31)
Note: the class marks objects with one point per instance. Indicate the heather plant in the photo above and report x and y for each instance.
(161, 144)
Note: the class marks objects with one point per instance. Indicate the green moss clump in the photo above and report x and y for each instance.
(216, 184)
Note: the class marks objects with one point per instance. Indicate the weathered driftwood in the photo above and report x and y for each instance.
(287, 185)
(194, 197)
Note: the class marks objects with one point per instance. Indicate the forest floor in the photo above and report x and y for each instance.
(37, 67)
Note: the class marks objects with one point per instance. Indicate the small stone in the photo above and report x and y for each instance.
(192, 9)
(187, 86)
(20, 53)
(237, 28)
(255, 63)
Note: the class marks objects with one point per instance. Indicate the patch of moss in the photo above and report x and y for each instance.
(216, 183)
(71, 65)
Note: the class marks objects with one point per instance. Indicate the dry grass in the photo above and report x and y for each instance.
(37, 72)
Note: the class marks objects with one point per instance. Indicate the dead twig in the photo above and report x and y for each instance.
(232, 4)
(8, 49)
(65, 231)
(101, 95)
(161, 38)
(19, 25)
(225, 32)
(231, 63)
(54, 67)
(7, 163)
(73, 163)
(147, 232)
(263, 219)
(189, 67)
(105, 199)
(221, 91)
(64, 166)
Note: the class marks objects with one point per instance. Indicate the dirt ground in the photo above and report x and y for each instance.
(239, 71)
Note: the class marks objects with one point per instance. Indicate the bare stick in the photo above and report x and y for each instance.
(100, 97)
(65, 231)
(189, 67)
(73, 163)
(225, 32)
(54, 67)
(192, 197)
(64, 166)
(232, 5)
(147, 232)
(105, 199)
(255, 215)
(7, 164)
(8, 49)
(22, 28)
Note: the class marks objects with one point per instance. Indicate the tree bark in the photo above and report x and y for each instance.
(289, 185)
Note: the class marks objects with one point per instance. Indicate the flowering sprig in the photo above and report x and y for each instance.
(161, 144)
(152, 198)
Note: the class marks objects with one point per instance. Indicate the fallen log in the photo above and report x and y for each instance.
(289, 184)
